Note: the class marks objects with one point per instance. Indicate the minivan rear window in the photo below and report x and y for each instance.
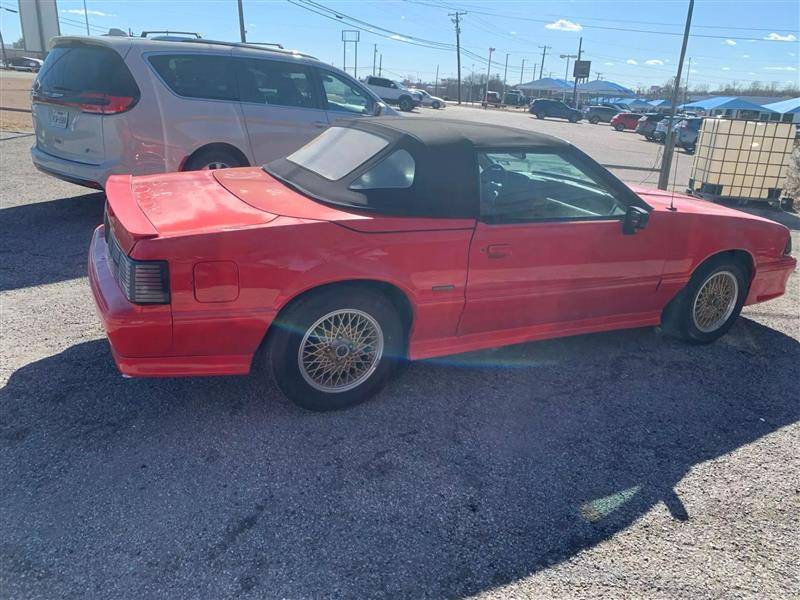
(85, 68)
(197, 75)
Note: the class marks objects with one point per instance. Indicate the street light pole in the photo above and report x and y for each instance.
(566, 72)
(505, 74)
(86, 17)
(521, 71)
(666, 161)
(488, 75)
(575, 86)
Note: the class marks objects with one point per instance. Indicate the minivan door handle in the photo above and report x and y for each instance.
(498, 250)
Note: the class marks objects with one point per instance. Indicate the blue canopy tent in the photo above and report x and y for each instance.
(660, 105)
(601, 87)
(546, 84)
(789, 110)
(730, 106)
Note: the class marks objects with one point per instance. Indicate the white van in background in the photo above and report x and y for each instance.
(107, 105)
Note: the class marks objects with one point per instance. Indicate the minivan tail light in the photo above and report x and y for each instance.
(91, 102)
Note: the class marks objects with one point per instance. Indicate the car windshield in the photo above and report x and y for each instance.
(338, 151)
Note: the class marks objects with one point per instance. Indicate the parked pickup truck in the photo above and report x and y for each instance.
(393, 92)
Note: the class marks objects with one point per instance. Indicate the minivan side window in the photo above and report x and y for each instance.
(197, 75)
(344, 96)
(276, 83)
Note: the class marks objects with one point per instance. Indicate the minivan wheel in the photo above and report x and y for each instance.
(619, 127)
(336, 349)
(709, 304)
(406, 104)
(213, 159)
(594, 120)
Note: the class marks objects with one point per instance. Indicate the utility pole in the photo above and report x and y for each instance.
(598, 73)
(436, 82)
(488, 76)
(374, 57)
(534, 72)
(242, 31)
(380, 65)
(522, 71)
(544, 53)
(86, 16)
(505, 74)
(666, 161)
(575, 86)
(456, 18)
(2, 43)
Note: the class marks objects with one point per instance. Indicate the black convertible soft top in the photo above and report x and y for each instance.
(445, 181)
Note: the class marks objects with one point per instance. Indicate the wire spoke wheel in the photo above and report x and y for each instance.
(340, 350)
(715, 301)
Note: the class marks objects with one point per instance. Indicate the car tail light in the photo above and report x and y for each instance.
(91, 102)
(142, 281)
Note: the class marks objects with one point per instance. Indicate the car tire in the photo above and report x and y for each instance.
(574, 119)
(594, 120)
(540, 115)
(709, 304)
(406, 104)
(304, 378)
(436, 105)
(213, 158)
(619, 127)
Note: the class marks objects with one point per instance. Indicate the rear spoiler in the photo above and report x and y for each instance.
(132, 224)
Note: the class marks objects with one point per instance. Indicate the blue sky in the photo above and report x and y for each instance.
(731, 40)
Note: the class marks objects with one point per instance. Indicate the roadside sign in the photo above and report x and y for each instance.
(582, 69)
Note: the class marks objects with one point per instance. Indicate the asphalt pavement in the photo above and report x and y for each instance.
(615, 465)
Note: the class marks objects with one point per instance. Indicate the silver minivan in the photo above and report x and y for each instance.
(108, 105)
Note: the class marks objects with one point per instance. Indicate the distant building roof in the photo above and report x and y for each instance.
(790, 106)
(660, 103)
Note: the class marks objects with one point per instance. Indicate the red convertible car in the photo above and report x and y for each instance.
(396, 238)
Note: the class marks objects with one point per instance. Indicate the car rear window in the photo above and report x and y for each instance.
(197, 76)
(338, 151)
(85, 68)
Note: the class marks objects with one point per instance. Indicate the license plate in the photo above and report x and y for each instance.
(59, 118)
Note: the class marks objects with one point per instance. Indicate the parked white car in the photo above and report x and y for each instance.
(428, 99)
(393, 92)
(107, 105)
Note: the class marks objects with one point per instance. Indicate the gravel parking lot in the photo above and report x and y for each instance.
(612, 465)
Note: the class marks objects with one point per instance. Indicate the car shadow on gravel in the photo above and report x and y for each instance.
(47, 242)
(466, 473)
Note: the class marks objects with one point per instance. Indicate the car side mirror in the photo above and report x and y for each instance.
(377, 109)
(635, 218)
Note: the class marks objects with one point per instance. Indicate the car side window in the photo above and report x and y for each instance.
(197, 76)
(520, 186)
(276, 83)
(344, 96)
(394, 171)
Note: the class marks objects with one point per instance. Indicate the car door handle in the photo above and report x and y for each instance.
(498, 250)
(320, 124)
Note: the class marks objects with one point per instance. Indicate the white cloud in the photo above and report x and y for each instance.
(513, 32)
(780, 68)
(792, 54)
(609, 64)
(94, 13)
(777, 37)
(630, 61)
(564, 25)
(726, 68)
(745, 56)
(654, 61)
(752, 73)
(729, 42)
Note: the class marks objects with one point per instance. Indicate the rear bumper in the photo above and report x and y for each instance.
(770, 280)
(93, 176)
(141, 335)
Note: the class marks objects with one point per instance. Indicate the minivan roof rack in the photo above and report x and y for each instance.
(167, 32)
(254, 45)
